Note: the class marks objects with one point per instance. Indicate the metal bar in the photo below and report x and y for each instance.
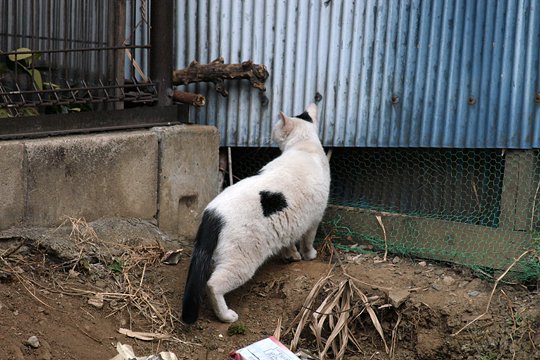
(97, 48)
(161, 40)
(47, 125)
(77, 89)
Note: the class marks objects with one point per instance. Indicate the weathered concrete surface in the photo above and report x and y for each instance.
(105, 238)
(12, 184)
(91, 176)
(188, 178)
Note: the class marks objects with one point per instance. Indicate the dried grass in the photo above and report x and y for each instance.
(486, 311)
(331, 312)
(123, 264)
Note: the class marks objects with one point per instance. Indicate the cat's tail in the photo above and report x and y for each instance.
(201, 261)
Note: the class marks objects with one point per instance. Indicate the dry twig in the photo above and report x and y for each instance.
(492, 292)
(379, 220)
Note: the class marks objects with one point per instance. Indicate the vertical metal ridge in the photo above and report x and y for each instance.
(350, 120)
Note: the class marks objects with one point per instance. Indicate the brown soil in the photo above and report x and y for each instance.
(36, 299)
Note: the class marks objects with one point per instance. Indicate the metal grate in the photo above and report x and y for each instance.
(60, 56)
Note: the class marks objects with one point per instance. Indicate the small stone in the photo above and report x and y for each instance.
(422, 263)
(418, 271)
(439, 272)
(474, 284)
(398, 297)
(473, 293)
(33, 342)
(396, 260)
(100, 284)
(448, 280)
(96, 301)
(220, 350)
(437, 287)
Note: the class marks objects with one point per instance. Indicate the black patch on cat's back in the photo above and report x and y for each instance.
(304, 116)
(272, 202)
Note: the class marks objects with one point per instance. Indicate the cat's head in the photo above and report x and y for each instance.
(290, 130)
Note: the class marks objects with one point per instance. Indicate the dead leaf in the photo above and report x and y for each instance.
(172, 257)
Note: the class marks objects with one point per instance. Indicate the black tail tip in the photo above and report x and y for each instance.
(190, 310)
(189, 317)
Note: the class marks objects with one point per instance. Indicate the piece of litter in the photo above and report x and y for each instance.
(266, 349)
(172, 257)
(146, 336)
(125, 352)
(305, 355)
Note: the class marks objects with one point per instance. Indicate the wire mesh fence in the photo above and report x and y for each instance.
(473, 207)
(58, 56)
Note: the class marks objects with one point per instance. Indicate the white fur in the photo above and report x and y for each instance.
(248, 238)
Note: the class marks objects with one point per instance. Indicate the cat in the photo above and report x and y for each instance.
(261, 216)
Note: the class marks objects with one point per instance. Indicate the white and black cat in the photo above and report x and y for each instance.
(261, 216)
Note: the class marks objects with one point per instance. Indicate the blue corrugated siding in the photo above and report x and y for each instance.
(463, 74)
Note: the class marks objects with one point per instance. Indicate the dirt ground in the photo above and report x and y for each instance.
(44, 293)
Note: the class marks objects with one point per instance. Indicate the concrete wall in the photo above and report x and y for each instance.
(168, 174)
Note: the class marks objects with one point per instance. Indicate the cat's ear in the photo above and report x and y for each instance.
(283, 117)
(311, 109)
(287, 123)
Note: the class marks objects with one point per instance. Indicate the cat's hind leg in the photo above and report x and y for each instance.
(306, 244)
(220, 283)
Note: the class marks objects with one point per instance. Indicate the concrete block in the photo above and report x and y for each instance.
(92, 176)
(12, 184)
(188, 176)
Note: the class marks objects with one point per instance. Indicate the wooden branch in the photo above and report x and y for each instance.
(216, 72)
(194, 99)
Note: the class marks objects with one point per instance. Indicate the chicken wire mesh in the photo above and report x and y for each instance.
(473, 207)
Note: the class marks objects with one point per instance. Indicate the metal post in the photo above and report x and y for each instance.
(161, 52)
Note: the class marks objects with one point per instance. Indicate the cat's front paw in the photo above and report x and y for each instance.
(309, 254)
(229, 316)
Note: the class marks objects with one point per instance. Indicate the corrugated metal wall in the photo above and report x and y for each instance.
(454, 73)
